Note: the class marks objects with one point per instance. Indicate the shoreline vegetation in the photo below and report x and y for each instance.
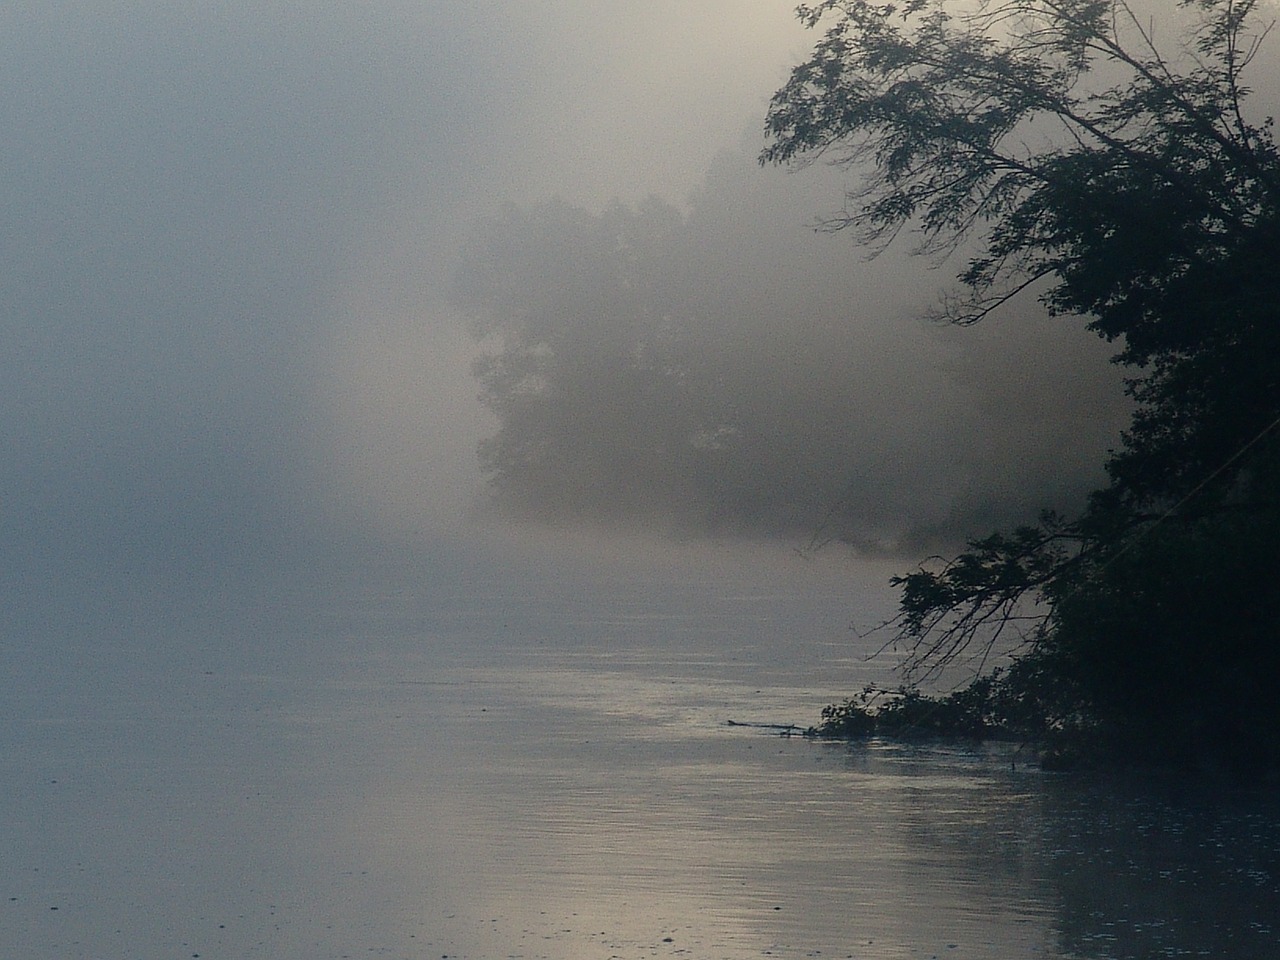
(977, 713)
(983, 713)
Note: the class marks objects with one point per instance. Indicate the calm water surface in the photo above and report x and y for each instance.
(554, 776)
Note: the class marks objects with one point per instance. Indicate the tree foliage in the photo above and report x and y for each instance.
(1072, 152)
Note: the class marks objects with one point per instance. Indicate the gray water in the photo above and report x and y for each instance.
(549, 773)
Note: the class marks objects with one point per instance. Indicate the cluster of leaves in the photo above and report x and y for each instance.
(1127, 185)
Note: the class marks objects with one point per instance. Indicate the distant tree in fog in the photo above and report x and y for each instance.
(694, 372)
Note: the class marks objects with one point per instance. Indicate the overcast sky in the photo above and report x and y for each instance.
(252, 252)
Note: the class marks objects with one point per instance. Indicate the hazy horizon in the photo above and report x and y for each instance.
(254, 255)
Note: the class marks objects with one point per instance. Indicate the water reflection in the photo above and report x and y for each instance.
(568, 786)
(643, 814)
(1149, 868)
(627, 805)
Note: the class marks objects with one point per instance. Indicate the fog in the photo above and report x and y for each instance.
(227, 234)
(731, 370)
(345, 341)
(253, 257)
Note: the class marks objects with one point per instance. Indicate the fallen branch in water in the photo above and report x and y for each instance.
(784, 729)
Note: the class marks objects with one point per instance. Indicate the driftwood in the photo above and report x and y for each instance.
(784, 729)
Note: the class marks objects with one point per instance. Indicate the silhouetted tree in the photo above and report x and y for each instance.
(1077, 158)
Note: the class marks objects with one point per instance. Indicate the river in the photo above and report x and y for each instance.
(548, 770)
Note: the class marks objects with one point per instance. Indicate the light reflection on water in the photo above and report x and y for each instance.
(568, 786)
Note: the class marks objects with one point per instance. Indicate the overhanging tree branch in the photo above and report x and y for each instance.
(1151, 208)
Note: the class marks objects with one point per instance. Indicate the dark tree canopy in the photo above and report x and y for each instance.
(1076, 155)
